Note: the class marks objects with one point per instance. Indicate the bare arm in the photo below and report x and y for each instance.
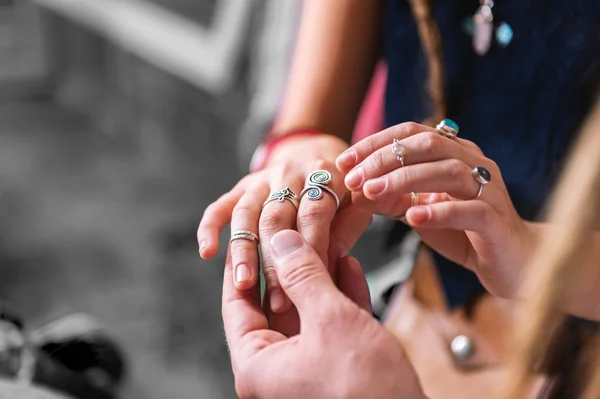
(336, 51)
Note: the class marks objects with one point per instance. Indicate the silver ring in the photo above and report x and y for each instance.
(414, 201)
(399, 151)
(244, 235)
(480, 191)
(282, 195)
(316, 185)
(448, 128)
(482, 176)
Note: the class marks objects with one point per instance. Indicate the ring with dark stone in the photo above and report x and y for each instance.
(481, 174)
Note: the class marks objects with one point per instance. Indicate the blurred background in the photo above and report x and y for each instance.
(120, 121)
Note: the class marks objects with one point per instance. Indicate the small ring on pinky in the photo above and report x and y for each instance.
(244, 235)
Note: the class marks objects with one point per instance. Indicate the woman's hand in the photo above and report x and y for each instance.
(483, 233)
(331, 233)
(342, 352)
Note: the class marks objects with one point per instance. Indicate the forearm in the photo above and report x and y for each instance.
(582, 293)
(335, 54)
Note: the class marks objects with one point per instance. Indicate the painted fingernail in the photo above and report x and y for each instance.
(242, 273)
(376, 186)
(285, 242)
(419, 214)
(277, 299)
(346, 160)
(354, 179)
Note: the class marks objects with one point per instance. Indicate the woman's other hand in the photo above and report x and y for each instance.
(341, 352)
(471, 224)
(331, 232)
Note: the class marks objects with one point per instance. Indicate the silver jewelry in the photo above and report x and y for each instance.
(316, 184)
(244, 235)
(482, 176)
(462, 347)
(414, 201)
(398, 150)
(448, 128)
(282, 195)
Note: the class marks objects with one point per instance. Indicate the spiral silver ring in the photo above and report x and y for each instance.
(282, 195)
(316, 185)
(244, 235)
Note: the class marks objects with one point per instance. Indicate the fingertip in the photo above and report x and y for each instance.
(346, 161)
(418, 215)
(278, 301)
(209, 250)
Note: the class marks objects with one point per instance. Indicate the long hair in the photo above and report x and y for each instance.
(575, 210)
(575, 207)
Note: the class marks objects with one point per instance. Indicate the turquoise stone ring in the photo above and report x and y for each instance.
(448, 128)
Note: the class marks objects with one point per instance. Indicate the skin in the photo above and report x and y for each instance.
(485, 234)
(341, 351)
(326, 96)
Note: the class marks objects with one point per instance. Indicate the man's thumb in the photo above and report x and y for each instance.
(302, 274)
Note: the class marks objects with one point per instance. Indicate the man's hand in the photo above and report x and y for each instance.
(341, 351)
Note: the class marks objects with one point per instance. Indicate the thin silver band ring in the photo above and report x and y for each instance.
(414, 201)
(244, 235)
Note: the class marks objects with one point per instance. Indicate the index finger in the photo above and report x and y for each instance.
(361, 150)
(242, 316)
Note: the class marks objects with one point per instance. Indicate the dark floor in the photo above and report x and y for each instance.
(106, 226)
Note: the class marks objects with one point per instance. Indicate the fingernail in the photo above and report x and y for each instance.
(202, 246)
(419, 214)
(277, 299)
(242, 273)
(346, 160)
(376, 186)
(285, 242)
(354, 179)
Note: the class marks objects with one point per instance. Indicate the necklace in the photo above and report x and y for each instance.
(481, 26)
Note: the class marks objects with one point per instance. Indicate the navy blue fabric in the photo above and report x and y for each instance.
(521, 104)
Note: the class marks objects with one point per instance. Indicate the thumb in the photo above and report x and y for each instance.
(353, 283)
(302, 274)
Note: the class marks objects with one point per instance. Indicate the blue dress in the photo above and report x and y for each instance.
(521, 104)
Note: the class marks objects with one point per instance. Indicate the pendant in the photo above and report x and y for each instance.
(483, 28)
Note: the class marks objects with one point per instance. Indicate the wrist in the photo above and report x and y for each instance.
(270, 142)
(301, 145)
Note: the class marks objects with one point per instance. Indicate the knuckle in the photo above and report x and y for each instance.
(405, 177)
(319, 164)
(411, 127)
(312, 211)
(377, 160)
(239, 247)
(272, 220)
(300, 274)
(242, 210)
(457, 169)
(430, 142)
(270, 276)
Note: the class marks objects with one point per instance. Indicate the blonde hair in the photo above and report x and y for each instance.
(575, 206)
